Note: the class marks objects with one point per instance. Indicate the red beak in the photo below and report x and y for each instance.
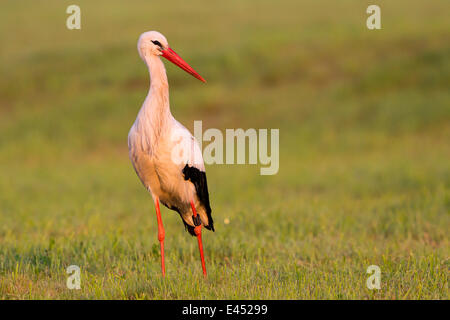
(173, 57)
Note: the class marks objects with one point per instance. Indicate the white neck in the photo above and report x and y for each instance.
(154, 116)
(158, 76)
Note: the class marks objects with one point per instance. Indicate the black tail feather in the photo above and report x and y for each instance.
(188, 228)
(198, 178)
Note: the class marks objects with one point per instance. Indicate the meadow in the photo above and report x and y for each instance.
(364, 177)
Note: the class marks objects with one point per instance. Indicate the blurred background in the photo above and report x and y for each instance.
(364, 173)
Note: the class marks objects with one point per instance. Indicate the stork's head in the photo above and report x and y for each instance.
(153, 43)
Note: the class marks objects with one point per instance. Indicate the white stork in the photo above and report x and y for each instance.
(164, 154)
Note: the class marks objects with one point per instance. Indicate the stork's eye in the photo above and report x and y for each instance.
(157, 43)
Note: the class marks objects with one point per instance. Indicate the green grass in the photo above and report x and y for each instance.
(364, 175)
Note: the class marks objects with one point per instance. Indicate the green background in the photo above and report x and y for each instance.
(364, 123)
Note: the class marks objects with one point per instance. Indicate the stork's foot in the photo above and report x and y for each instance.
(161, 236)
(161, 244)
(198, 233)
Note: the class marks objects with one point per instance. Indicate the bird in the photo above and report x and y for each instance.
(166, 157)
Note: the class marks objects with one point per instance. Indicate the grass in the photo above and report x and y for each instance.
(364, 175)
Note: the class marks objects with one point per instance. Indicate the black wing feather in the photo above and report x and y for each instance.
(198, 178)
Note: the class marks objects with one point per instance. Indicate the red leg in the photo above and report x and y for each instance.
(161, 235)
(198, 233)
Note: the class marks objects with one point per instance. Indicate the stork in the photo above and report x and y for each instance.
(164, 154)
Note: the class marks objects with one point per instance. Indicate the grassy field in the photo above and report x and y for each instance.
(364, 179)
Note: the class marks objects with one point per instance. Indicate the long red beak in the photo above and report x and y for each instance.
(173, 57)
